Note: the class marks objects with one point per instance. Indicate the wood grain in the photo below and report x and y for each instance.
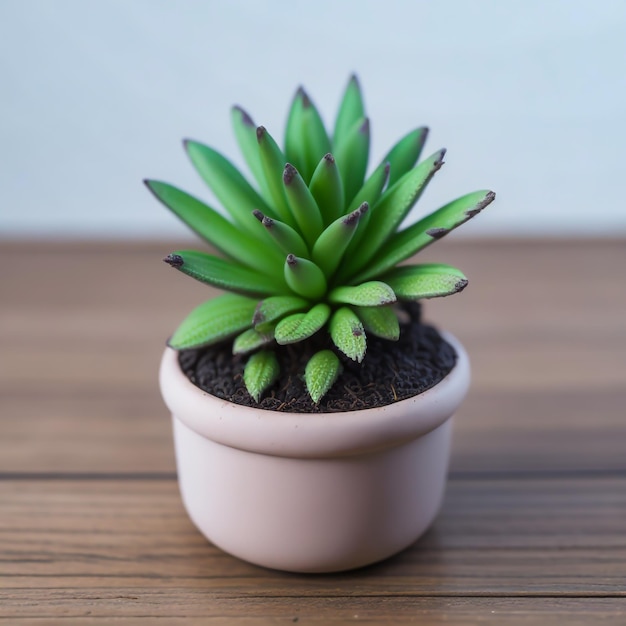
(533, 528)
(148, 608)
(525, 537)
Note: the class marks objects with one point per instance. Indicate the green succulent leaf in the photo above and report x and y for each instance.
(314, 137)
(348, 334)
(332, 243)
(405, 154)
(273, 162)
(303, 207)
(373, 293)
(351, 110)
(352, 156)
(274, 308)
(370, 193)
(225, 274)
(300, 326)
(421, 234)
(380, 321)
(304, 277)
(228, 184)
(285, 238)
(321, 373)
(414, 282)
(245, 133)
(214, 321)
(251, 339)
(215, 229)
(260, 373)
(327, 189)
(294, 143)
(372, 189)
(393, 207)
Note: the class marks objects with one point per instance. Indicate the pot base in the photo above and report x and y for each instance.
(312, 515)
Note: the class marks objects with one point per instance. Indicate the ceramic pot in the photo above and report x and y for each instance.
(312, 492)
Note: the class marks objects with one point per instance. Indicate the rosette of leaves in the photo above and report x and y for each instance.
(314, 244)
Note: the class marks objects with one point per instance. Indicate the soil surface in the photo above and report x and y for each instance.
(390, 371)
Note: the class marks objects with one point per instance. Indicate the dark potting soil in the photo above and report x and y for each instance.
(390, 371)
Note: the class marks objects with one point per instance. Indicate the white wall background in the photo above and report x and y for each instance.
(529, 97)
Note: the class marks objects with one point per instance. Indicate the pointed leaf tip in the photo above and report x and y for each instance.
(329, 158)
(245, 118)
(321, 373)
(352, 218)
(489, 198)
(260, 373)
(260, 133)
(292, 260)
(289, 173)
(175, 260)
(461, 285)
(306, 101)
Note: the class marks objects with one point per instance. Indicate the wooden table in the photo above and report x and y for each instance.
(533, 530)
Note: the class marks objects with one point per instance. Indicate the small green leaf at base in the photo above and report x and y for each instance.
(214, 321)
(250, 340)
(432, 280)
(348, 334)
(274, 308)
(321, 373)
(260, 373)
(372, 293)
(300, 326)
(380, 321)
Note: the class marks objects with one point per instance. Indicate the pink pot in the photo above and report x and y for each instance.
(312, 492)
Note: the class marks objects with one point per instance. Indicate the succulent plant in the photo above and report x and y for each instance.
(315, 246)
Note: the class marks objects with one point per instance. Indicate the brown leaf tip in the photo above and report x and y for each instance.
(437, 233)
(352, 218)
(355, 80)
(175, 260)
(488, 199)
(258, 214)
(461, 284)
(306, 101)
(291, 260)
(365, 127)
(258, 316)
(289, 173)
(245, 118)
(439, 161)
(329, 158)
(260, 133)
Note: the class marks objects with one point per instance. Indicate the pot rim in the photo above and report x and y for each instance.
(312, 435)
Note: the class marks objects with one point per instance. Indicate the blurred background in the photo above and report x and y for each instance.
(527, 95)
